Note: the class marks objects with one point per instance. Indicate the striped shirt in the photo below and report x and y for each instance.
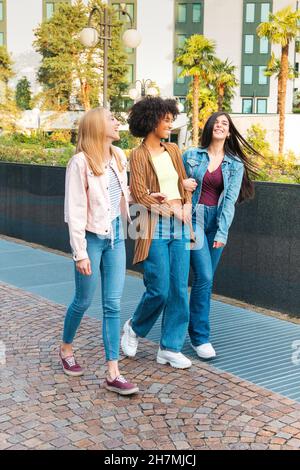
(115, 193)
(143, 182)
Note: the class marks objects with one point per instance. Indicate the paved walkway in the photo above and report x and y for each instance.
(199, 408)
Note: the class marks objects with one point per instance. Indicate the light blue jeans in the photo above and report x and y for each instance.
(111, 261)
(204, 261)
(166, 272)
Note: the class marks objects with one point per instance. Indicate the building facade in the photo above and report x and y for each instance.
(164, 25)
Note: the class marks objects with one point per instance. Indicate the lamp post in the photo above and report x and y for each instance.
(146, 88)
(90, 37)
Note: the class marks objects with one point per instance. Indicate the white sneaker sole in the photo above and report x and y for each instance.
(122, 392)
(204, 356)
(172, 364)
(124, 349)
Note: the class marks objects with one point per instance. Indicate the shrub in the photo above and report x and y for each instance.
(271, 166)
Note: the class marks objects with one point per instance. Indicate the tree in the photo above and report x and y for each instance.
(68, 68)
(195, 58)
(23, 94)
(224, 82)
(8, 109)
(282, 28)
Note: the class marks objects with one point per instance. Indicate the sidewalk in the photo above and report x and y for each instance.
(199, 408)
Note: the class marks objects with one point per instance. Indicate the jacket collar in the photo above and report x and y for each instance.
(227, 158)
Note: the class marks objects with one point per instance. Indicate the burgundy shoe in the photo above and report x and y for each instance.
(121, 386)
(70, 366)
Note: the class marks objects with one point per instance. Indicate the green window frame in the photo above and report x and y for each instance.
(248, 75)
(247, 106)
(262, 78)
(253, 12)
(50, 7)
(262, 106)
(181, 13)
(250, 12)
(3, 22)
(263, 46)
(197, 12)
(188, 17)
(249, 44)
(264, 12)
(179, 80)
(181, 38)
(130, 73)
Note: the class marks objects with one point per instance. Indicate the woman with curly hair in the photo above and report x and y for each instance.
(164, 236)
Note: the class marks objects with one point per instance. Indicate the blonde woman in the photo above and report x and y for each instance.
(96, 192)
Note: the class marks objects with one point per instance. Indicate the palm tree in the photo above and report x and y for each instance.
(195, 59)
(282, 28)
(224, 80)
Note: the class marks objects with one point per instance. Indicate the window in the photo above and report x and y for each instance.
(247, 106)
(181, 39)
(261, 106)
(129, 76)
(179, 80)
(250, 12)
(263, 46)
(197, 13)
(130, 10)
(181, 13)
(264, 12)
(1, 39)
(49, 10)
(248, 73)
(1, 12)
(262, 79)
(249, 42)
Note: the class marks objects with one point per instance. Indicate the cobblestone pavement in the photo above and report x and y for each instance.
(199, 408)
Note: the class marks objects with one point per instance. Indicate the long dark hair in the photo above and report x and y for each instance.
(235, 145)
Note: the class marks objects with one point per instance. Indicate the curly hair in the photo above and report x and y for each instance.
(145, 115)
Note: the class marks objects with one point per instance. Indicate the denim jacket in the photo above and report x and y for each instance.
(196, 161)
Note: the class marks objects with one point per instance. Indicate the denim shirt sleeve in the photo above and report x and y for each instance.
(185, 157)
(228, 210)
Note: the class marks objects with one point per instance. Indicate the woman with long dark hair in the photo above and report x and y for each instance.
(219, 175)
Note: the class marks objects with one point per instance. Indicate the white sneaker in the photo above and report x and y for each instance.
(175, 359)
(205, 351)
(129, 340)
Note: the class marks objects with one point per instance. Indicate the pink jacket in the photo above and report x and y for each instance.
(87, 202)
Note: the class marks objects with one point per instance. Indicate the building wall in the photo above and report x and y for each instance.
(155, 21)
(228, 39)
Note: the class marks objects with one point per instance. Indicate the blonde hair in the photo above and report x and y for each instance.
(91, 140)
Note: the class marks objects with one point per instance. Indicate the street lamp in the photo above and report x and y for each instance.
(90, 37)
(146, 88)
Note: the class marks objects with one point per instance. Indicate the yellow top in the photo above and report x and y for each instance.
(167, 175)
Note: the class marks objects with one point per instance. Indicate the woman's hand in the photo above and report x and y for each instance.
(218, 244)
(84, 267)
(160, 197)
(190, 184)
(183, 213)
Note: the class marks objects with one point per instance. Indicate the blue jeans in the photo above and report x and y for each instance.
(166, 280)
(111, 260)
(204, 261)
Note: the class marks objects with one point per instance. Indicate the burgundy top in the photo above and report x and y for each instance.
(212, 186)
